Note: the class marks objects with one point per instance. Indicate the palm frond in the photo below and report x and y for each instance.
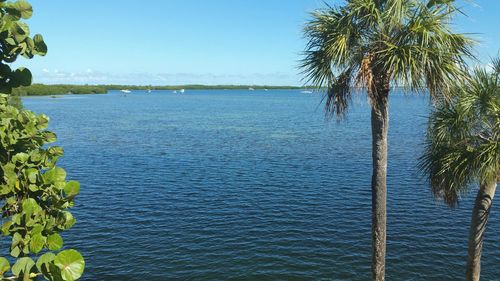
(425, 53)
(395, 13)
(496, 65)
(463, 139)
(333, 46)
(448, 157)
(367, 13)
(338, 95)
(404, 42)
(448, 170)
(322, 33)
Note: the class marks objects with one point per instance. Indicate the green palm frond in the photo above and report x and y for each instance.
(396, 11)
(366, 13)
(333, 40)
(496, 65)
(425, 53)
(406, 42)
(339, 95)
(332, 37)
(463, 139)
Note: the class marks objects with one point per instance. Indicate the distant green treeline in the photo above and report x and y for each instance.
(45, 90)
(199, 87)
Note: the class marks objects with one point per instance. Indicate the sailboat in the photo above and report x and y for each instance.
(182, 91)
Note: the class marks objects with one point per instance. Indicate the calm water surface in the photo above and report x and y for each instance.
(240, 185)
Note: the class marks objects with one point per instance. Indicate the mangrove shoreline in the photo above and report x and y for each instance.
(63, 89)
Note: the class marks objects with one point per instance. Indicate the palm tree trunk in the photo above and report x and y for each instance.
(380, 125)
(480, 215)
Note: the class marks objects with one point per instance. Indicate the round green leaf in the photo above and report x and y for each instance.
(21, 8)
(54, 242)
(10, 174)
(17, 217)
(69, 220)
(21, 77)
(22, 265)
(71, 264)
(72, 188)
(20, 31)
(15, 252)
(20, 157)
(49, 137)
(11, 41)
(55, 151)
(36, 243)
(37, 229)
(4, 265)
(5, 69)
(30, 206)
(32, 175)
(40, 46)
(43, 121)
(44, 260)
(55, 175)
(6, 227)
(30, 44)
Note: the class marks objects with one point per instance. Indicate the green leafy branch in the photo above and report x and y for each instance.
(36, 198)
(34, 193)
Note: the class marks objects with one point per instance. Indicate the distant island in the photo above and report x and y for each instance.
(62, 89)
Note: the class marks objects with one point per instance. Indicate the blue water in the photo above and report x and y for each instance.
(241, 185)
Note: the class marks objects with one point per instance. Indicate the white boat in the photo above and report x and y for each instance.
(251, 89)
(149, 91)
(126, 91)
(175, 92)
(181, 91)
(307, 92)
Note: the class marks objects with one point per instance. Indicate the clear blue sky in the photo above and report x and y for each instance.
(193, 41)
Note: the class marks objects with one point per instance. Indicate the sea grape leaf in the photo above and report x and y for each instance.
(4, 265)
(40, 46)
(37, 242)
(23, 265)
(21, 9)
(54, 242)
(21, 77)
(71, 264)
(30, 206)
(55, 175)
(44, 260)
(72, 188)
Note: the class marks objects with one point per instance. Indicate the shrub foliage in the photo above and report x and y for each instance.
(34, 193)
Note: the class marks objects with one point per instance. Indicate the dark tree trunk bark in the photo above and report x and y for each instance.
(380, 126)
(480, 215)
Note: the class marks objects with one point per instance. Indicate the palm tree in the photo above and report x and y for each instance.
(372, 44)
(463, 146)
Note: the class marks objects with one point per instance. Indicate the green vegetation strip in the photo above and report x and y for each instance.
(47, 90)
